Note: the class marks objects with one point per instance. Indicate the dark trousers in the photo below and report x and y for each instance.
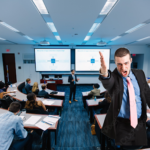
(72, 91)
(128, 136)
(23, 143)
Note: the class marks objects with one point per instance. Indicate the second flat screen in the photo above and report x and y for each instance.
(89, 59)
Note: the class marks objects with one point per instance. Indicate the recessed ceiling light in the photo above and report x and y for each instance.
(8, 26)
(135, 28)
(107, 7)
(117, 37)
(51, 26)
(40, 6)
(143, 38)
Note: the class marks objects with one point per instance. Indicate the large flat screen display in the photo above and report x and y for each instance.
(89, 59)
(52, 59)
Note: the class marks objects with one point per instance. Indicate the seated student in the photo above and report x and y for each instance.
(35, 88)
(32, 103)
(2, 85)
(95, 91)
(104, 104)
(12, 125)
(28, 87)
(43, 93)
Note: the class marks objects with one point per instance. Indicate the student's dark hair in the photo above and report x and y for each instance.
(96, 86)
(31, 102)
(72, 70)
(14, 107)
(121, 52)
(2, 84)
(43, 87)
(27, 80)
(107, 97)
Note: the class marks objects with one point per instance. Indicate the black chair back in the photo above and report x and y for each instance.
(34, 111)
(5, 102)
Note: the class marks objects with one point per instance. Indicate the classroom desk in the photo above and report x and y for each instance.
(23, 97)
(85, 94)
(98, 126)
(90, 104)
(33, 127)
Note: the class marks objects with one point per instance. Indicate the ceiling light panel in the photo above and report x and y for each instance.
(2, 39)
(143, 38)
(135, 28)
(117, 37)
(108, 6)
(42, 9)
(40, 6)
(8, 26)
(51, 26)
(132, 30)
(102, 15)
(15, 30)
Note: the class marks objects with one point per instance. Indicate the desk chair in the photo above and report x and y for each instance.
(5, 103)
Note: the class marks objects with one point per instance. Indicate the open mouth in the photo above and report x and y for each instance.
(124, 73)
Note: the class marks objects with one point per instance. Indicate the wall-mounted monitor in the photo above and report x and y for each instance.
(52, 59)
(89, 59)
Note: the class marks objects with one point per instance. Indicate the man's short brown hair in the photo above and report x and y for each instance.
(43, 86)
(121, 52)
(14, 107)
(27, 80)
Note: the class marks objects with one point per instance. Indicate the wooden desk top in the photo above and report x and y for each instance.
(100, 119)
(28, 115)
(23, 97)
(92, 102)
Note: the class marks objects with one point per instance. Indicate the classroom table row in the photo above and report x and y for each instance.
(49, 103)
(52, 128)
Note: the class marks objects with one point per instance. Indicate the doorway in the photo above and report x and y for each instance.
(9, 68)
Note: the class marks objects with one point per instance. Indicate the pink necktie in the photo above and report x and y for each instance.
(133, 111)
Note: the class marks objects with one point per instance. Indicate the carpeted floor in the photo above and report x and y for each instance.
(74, 130)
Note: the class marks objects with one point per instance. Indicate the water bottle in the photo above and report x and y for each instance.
(95, 98)
(23, 112)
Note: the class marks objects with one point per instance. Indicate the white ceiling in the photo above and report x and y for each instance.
(74, 17)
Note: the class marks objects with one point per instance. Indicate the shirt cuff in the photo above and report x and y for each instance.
(106, 77)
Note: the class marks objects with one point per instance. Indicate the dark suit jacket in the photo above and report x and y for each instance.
(70, 78)
(28, 88)
(43, 93)
(104, 105)
(114, 86)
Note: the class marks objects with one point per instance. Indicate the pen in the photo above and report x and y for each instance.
(46, 123)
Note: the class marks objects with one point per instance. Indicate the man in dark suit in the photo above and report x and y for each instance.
(28, 87)
(72, 79)
(126, 118)
(43, 93)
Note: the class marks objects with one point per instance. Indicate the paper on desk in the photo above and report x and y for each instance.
(60, 93)
(50, 119)
(42, 125)
(32, 120)
(12, 94)
(47, 102)
(148, 114)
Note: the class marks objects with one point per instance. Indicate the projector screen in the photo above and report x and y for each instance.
(89, 59)
(52, 59)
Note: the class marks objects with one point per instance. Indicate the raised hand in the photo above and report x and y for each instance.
(103, 69)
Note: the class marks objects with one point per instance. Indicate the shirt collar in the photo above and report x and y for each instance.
(130, 75)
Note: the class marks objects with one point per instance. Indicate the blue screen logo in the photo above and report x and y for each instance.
(52, 60)
(92, 61)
